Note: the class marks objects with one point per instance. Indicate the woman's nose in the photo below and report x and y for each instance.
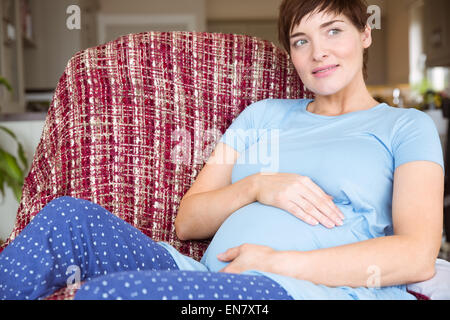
(319, 52)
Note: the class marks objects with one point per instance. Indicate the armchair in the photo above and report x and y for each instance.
(132, 122)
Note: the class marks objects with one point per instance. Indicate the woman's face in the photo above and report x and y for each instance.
(327, 52)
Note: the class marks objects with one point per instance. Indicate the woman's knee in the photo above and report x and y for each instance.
(69, 209)
(54, 209)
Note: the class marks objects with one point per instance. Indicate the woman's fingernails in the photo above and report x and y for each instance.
(329, 223)
(340, 214)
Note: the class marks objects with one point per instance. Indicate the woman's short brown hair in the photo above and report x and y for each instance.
(293, 11)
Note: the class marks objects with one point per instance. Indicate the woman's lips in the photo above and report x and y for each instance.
(325, 71)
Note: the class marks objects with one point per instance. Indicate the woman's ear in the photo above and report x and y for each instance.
(366, 37)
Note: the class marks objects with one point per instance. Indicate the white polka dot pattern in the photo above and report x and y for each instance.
(113, 259)
(74, 232)
(181, 285)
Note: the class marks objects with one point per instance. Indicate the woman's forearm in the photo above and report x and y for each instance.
(200, 215)
(378, 262)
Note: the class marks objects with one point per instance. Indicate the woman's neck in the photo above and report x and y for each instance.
(354, 97)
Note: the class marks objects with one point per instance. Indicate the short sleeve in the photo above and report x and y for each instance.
(416, 138)
(246, 127)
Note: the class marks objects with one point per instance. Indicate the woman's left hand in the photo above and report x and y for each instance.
(248, 257)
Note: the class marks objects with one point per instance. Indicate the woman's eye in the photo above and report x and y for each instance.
(299, 43)
(334, 32)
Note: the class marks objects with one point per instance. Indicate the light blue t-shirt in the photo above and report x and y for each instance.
(351, 157)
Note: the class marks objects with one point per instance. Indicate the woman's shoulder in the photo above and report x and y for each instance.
(402, 116)
(277, 106)
(404, 112)
(411, 123)
(274, 110)
(269, 112)
(274, 106)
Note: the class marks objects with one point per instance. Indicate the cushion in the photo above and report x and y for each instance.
(438, 287)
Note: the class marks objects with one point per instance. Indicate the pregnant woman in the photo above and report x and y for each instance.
(337, 197)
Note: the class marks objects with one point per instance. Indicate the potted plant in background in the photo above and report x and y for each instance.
(11, 173)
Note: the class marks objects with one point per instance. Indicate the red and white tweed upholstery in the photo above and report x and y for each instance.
(121, 112)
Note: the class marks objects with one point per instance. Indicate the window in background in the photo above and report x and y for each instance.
(416, 48)
(439, 78)
(417, 57)
(422, 78)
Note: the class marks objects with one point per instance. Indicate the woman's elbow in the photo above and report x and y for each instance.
(180, 228)
(427, 268)
(427, 272)
(180, 235)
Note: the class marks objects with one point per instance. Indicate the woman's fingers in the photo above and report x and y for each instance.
(229, 254)
(300, 196)
(322, 207)
(309, 210)
(298, 212)
(321, 199)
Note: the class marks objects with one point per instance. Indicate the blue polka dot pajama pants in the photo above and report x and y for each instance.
(74, 240)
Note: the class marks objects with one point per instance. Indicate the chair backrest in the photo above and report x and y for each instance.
(132, 122)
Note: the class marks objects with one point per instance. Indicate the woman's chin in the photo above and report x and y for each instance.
(331, 85)
(324, 88)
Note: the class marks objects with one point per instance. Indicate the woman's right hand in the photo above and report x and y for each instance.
(300, 196)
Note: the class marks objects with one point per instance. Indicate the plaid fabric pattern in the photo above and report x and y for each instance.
(132, 122)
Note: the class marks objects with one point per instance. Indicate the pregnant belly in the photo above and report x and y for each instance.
(270, 226)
